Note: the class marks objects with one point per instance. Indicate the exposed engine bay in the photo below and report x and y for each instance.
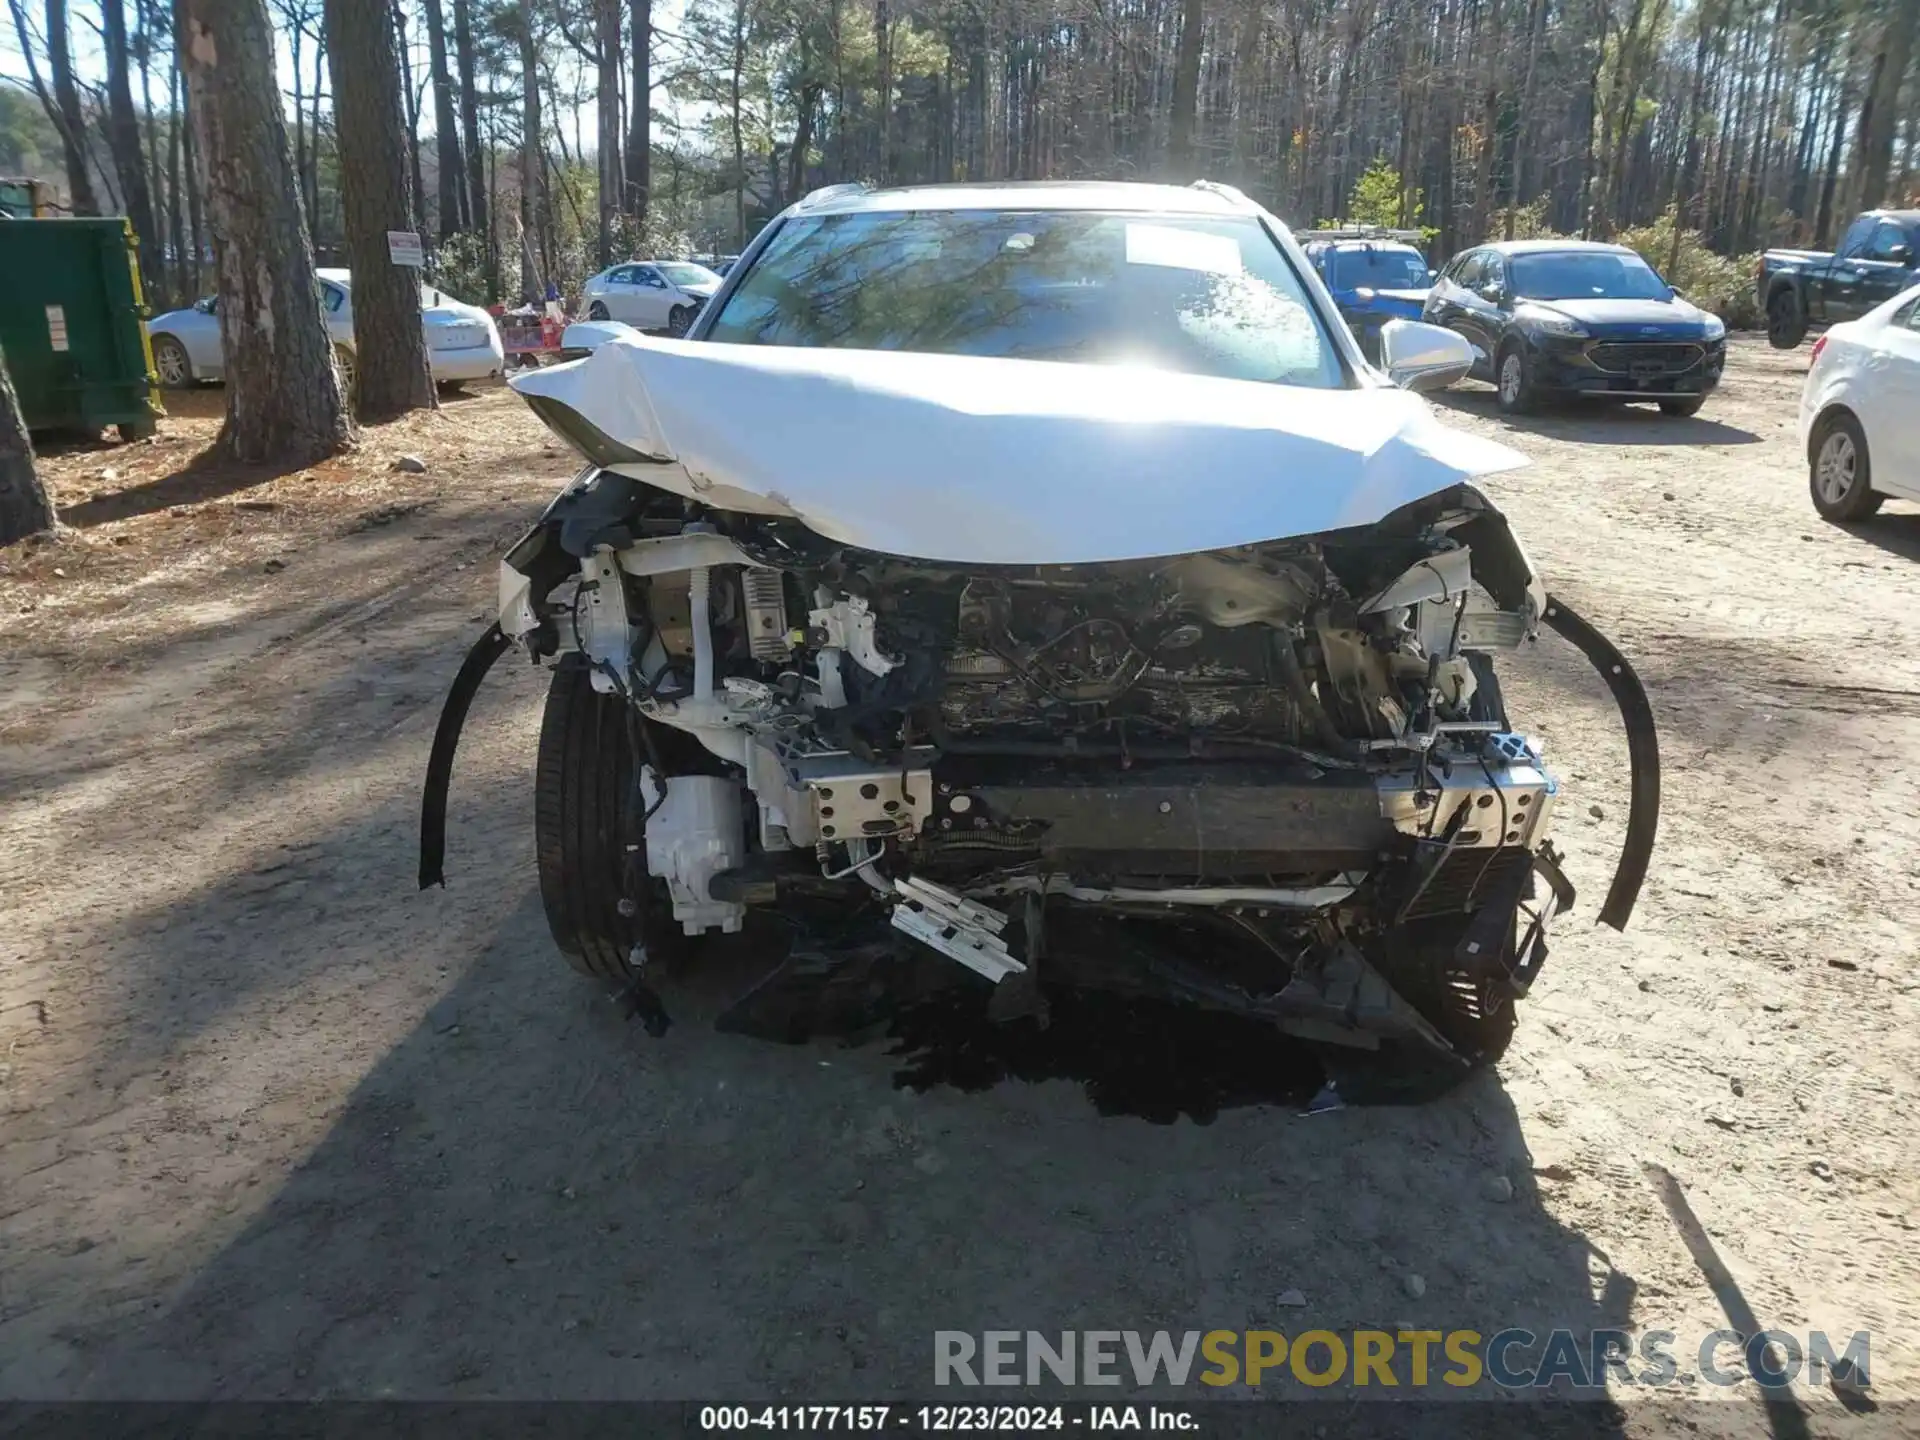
(1278, 779)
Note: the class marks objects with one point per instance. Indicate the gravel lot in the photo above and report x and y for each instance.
(273, 1124)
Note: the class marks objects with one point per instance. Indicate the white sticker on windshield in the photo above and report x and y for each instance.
(1183, 249)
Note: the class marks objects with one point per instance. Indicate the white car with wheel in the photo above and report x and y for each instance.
(651, 294)
(1860, 411)
(462, 341)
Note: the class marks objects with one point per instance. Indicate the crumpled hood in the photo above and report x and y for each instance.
(1010, 462)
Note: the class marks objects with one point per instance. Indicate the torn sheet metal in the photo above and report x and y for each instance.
(989, 461)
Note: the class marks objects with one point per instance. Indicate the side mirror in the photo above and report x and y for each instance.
(1492, 293)
(1901, 255)
(1418, 356)
(1432, 275)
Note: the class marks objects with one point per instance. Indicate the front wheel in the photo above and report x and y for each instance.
(597, 311)
(349, 372)
(1840, 474)
(1513, 377)
(1786, 321)
(1683, 407)
(679, 319)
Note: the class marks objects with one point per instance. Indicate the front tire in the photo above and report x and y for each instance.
(1786, 320)
(582, 779)
(1839, 472)
(679, 320)
(1683, 407)
(349, 372)
(1513, 381)
(597, 311)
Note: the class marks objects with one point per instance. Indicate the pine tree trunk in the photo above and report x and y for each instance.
(310, 187)
(1881, 113)
(639, 166)
(1683, 190)
(477, 208)
(739, 142)
(283, 390)
(1823, 218)
(176, 210)
(612, 181)
(24, 507)
(194, 175)
(73, 125)
(883, 100)
(123, 135)
(446, 137)
(410, 111)
(532, 163)
(1186, 89)
(809, 98)
(158, 280)
(300, 121)
(389, 346)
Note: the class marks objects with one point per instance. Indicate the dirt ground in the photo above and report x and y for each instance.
(274, 1124)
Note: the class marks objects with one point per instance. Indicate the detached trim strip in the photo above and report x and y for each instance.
(446, 739)
(1643, 756)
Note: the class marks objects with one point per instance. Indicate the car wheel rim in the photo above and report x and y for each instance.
(172, 366)
(346, 371)
(1834, 470)
(1510, 379)
(598, 312)
(677, 321)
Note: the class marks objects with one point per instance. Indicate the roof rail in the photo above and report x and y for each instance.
(831, 192)
(1225, 192)
(1359, 232)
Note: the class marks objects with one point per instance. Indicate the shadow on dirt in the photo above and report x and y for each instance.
(1601, 423)
(1896, 532)
(209, 475)
(527, 1197)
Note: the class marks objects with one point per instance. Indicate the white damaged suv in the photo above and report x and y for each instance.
(1042, 571)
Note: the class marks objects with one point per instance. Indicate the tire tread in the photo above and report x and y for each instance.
(580, 789)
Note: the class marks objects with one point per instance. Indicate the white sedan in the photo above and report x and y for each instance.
(1860, 411)
(462, 341)
(652, 294)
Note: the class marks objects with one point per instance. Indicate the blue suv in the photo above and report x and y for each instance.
(1373, 275)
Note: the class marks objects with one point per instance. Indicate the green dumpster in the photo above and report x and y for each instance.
(72, 325)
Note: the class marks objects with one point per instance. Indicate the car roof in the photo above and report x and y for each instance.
(1547, 247)
(1364, 245)
(1200, 198)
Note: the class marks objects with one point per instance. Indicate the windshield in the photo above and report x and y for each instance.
(1205, 296)
(683, 274)
(1381, 269)
(1585, 275)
